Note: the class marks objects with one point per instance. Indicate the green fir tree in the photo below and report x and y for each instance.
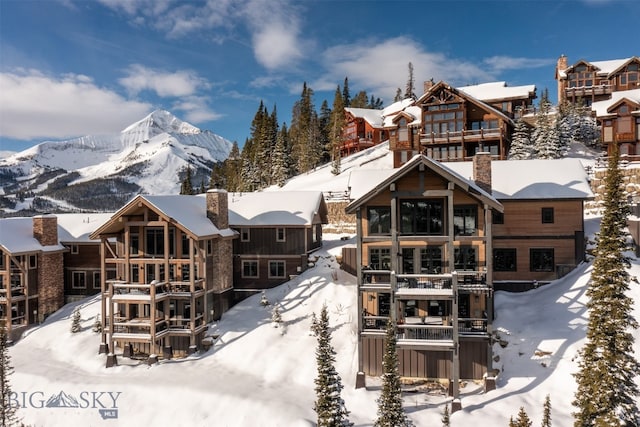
(607, 394)
(390, 411)
(75, 321)
(8, 415)
(546, 412)
(329, 405)
(187, 186)
(446, 418)
(522, 420)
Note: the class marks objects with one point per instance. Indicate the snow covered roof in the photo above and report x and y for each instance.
(495, 91)
(601, 108)
(440, 168)
(534, 179)
(188, 212)
(16, 237)
(373, 117)
(397, 106)
(604, 68)
(276, 208)
(76, 227)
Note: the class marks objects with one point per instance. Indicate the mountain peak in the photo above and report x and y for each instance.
(158, 122)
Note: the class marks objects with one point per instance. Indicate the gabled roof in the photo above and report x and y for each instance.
(371, 116)
(16, 237)
(277, 208)
(481, 104)
(603, 108)
(467, 185)
(495, 91)
(603, 68)
(536, 179)
(188, 213)
(76, 227)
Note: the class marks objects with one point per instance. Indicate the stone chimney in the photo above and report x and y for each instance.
(428, 84)
(218, 208)
(482, 170)
(45, 229)
(562, 64)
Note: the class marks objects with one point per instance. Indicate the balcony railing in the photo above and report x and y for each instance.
(472, 326)
(425, 332)
(417, 281)
(459, 136)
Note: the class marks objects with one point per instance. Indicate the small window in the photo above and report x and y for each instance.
(541, 259)
(465, 219)
(33, 261)
(209, 247)
(134, 244)
(465, 258)
(280, 235)
(379, 219)
(276, 269)
(245, 236)
(380, 258)
(78, 280)
(497, 217)
(75, 250)
(547, 215)
(97, 284)
(250, 269)
(2, 264)
(504, 260)
(185, 245)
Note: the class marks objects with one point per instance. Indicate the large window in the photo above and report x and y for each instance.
(465, 220)
(504, 260)
(379, 219)
(541, 259)
(581, 77)
(421, 217)
(465, 258)
(78, 280)
(443, 118)
(380, 258)
(276, 269)
(155, 241)
(431, 260)
(250, 269)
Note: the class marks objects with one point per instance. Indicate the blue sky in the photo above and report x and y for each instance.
(71, 68)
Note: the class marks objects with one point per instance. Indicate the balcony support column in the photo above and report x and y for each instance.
(455, 369)
(395, 250)
(360, 379)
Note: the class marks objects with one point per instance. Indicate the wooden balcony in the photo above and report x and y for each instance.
(421, 286)
(584, 91)
(460, 136)
(472, 326)
(131, 292)
(425, 337)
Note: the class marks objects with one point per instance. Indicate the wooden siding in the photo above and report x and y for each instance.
(262, 241)
(428, 364)
(293, 265)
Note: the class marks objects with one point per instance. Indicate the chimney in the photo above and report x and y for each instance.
(428, 84)
(218, 208)
(45, 229)
(562, 64)
(482, 170)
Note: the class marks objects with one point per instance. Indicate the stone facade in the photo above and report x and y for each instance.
(482, 171)
(45, 229)
(50, 284)
(339, 220)
(218, 208)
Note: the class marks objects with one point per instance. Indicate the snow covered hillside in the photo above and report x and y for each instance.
(146, 157)
(257, 374)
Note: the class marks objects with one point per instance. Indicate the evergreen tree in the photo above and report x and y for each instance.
(218, 178)
(304, 133)
(546, 413)
(232, 168)
(8, 416)
(329, 405)
(280, 158)
(276, 317)
(375, 103)
(75, 321)
(335, 131)
(446, 420)
(409, 91)
(546, 139)
(97, 324)
(522, 419)
(187, 187)
(607, 393)
(398, 96)
(346, 97)
(324, 125)
(521, 148)
(390, 411)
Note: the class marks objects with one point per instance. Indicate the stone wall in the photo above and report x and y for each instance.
(630, 178)
(50, 284)
(339, 220)
(45, 229)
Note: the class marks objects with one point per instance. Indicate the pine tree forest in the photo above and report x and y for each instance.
(8, 416)
(607, 394)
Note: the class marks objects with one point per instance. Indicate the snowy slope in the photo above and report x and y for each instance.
(260, 375)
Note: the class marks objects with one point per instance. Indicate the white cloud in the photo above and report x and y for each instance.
(382, 66)
(502, 63)
(196, 109)
(34, 105)
(164, 84)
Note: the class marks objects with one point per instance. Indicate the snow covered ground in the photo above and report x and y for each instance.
(260, 375)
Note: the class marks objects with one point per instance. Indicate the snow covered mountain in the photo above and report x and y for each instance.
(104, 171)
